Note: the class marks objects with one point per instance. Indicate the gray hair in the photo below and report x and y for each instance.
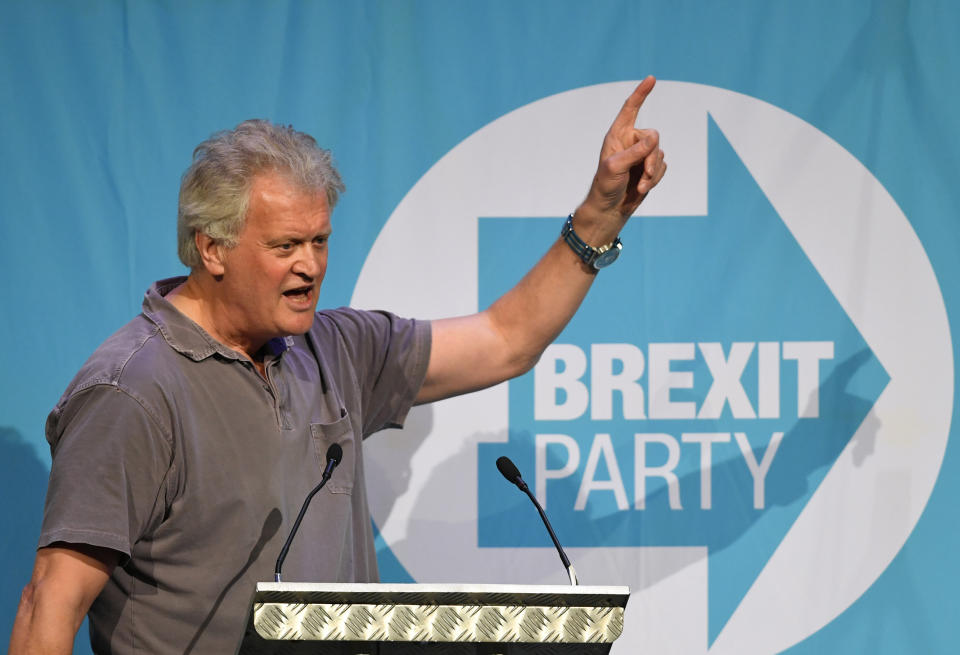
(215, 190)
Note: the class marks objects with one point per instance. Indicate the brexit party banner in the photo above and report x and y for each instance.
(749, 421)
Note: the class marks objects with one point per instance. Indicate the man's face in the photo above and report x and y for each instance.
(271, 278)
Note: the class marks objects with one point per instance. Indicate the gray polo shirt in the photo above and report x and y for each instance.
(170, 448)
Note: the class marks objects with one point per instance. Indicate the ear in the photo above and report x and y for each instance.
(211, 252)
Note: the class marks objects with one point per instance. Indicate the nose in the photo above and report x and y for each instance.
(309, 263)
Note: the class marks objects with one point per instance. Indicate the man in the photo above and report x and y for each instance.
(184, 447)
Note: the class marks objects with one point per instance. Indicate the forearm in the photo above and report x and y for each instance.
(534, 312)
(506, 340)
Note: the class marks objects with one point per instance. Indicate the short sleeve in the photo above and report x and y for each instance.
(111, 463)
(390, 356)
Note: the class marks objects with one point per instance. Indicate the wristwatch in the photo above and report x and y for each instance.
(595, 257)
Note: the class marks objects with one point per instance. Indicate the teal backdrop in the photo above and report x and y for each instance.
(103, 102)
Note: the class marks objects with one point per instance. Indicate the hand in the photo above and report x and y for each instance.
(631, 161)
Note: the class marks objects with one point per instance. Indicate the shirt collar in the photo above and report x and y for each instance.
(183, 334)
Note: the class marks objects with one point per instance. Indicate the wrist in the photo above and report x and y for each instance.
(595, 226)
(593, 257)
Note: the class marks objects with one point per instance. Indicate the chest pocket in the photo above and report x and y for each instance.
(340, 432)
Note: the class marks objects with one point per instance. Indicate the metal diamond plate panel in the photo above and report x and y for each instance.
(437, 623)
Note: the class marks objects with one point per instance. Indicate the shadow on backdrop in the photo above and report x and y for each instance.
(23, 487)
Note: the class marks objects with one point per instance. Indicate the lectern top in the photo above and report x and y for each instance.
(443, 594)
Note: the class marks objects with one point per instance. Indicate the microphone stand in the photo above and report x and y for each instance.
(334, 453)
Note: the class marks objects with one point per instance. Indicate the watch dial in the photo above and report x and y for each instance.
(606, 258)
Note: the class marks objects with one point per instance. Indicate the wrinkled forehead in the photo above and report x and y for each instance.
(276, 203)
(287, 180)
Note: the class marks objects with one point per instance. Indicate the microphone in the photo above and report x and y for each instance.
(509, 470)
(334, 455)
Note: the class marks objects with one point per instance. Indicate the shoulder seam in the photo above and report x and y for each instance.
(119, 388)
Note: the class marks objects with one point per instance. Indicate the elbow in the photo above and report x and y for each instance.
(28, 600)
(523, 363)
(24, 622)
(44, 616)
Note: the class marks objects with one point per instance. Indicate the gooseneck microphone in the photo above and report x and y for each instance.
(510, 472)
(334, 455)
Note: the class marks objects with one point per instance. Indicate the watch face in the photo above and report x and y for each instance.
(607, 257)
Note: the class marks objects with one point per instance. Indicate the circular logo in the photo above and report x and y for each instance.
(537, 162)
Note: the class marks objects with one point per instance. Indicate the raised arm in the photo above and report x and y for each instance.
(66, 580)
(507, 339)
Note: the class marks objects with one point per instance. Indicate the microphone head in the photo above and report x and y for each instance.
(509, 470)
(334, 454)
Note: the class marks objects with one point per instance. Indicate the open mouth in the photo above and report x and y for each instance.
(301, 294)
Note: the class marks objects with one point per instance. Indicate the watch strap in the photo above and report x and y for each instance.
(595, 258)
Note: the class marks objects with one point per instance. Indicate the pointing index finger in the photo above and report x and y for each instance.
(628, 113)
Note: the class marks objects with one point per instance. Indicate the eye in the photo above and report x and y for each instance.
(320, 240)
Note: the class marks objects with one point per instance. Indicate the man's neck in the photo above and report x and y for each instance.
(196, 300)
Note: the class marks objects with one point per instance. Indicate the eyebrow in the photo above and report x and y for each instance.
(296, 238)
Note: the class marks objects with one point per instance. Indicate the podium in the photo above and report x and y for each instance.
(414, 619)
